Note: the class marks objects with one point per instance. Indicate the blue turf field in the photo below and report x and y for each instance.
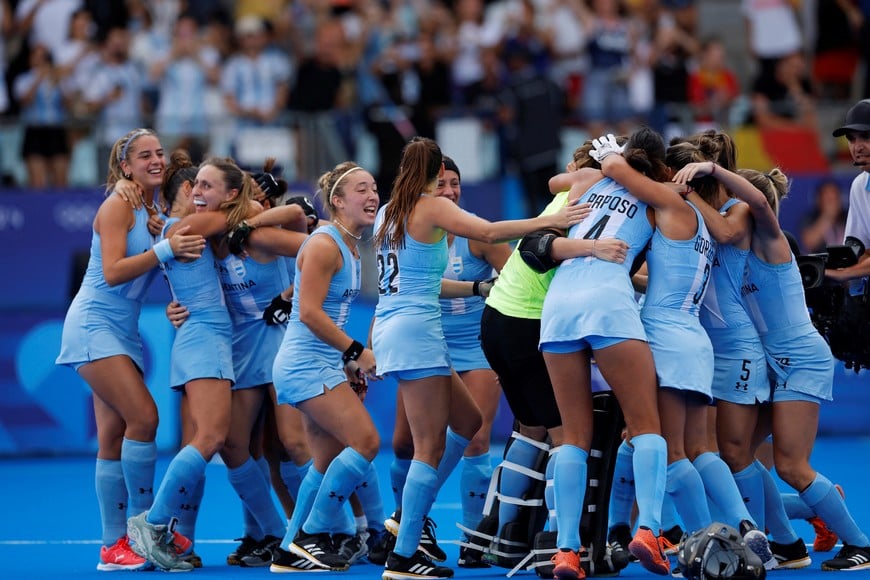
(49, 526)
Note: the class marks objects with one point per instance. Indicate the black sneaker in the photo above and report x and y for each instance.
(428, 544)
(380, 543)
(849, 558)
(261, 556)
(417, 566)
(247, 546)
(791, 556)
(352, 548)
(319, 549)
(284, 561)
(618, 540)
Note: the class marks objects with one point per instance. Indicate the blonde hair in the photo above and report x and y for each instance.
(237, 208)
(121, 151)
(329, 184)
(774, 185)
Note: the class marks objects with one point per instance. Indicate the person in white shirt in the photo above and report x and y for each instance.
(857, 132)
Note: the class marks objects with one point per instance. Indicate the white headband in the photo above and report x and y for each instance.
(337, 181)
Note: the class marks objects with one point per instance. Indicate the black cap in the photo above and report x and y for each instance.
(857, 119)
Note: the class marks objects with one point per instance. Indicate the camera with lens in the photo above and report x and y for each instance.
(839, 311)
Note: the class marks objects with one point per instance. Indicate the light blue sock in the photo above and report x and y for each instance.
(569, 481)
(550, 491)
(342, 523)
(368, 490)
(307, 492)
(422, 484)
(751, 487)
(181, 478)
(825, 500)
(686, 489)
(137, 461)
(251, 527)
(473, 485)
(453, 450)
(256, 495)
(796, 508)
(650, 464)
(722, 489)
(339, 481)
(293, 474)
(670, 517)
(263, 466)
(112, 498)
(398, 476)
(622, 490)
(513, 483)
(775, 520)
(186, 525)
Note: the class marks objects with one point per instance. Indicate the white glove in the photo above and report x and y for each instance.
(604, 147)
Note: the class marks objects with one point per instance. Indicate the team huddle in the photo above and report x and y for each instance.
(661, 269)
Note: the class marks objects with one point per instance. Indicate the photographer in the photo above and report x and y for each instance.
(857, 132)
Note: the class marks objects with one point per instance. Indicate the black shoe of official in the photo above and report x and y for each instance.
(849, 558)
(418, 566)
(320, 550)
(791, 556)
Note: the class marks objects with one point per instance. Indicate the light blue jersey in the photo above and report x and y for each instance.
(460, 317)
(679, 271)
(407, 333)
(203, 343)
(796, 352)
(103, 320)
(305, 364)
(249, 286)
(593, 297)
(739, 367)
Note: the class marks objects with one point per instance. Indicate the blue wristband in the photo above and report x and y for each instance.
(163, 251)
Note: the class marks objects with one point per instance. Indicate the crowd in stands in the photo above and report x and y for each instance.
(207, 75)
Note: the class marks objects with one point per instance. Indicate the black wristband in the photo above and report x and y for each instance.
(353, 352)
(475, 288)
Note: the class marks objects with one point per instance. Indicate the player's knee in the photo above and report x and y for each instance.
(143, 427)
(795, 472)
(736, 455)
(368, 444)
(209, 443)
